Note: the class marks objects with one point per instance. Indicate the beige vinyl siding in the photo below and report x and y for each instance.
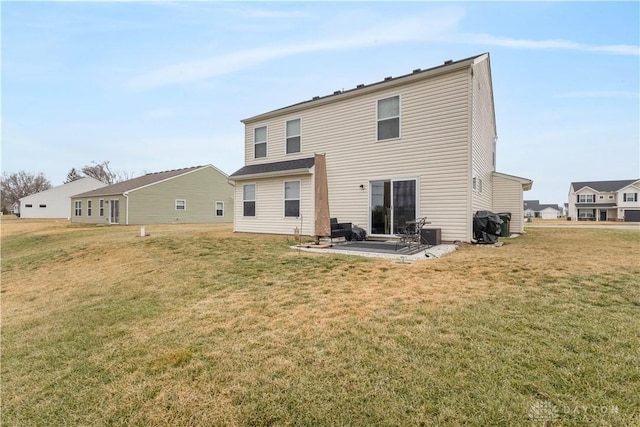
(269, 216)
(433, 147)
(156, 204)
(483, 137)
(507, 197)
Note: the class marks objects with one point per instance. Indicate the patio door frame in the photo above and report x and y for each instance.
(391, 208)
(114, 207)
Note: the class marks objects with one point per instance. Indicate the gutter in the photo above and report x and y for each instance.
(289, 172)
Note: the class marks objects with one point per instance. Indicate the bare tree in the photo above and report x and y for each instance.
(73, 175)
(17, 185)
(101, 171)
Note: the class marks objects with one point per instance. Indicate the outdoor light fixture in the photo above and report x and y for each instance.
(362, 186)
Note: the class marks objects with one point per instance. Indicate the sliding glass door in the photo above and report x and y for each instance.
(114, 211)
(392, 204)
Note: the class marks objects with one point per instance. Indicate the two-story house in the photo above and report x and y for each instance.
(422, 144)
(605, 200)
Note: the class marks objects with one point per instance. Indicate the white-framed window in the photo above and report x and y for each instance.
(181, 205)
(477, 184)
(89, 208)
(586, 213)
(77, 211)
(586, 198)
(294, 134)
(292, 199)
(42, 205)
(28, 205)
(600, 197)
(260, 142)
(101, 207)
(630, 197)
(388, 118)
(249, 200)
(610, 196)
(219, 208)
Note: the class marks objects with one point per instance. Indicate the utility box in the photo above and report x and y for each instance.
(430, 236)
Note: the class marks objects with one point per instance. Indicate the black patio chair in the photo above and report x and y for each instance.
(411, 234)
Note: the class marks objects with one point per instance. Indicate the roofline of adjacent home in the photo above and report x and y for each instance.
(527, 183)
(106, 192)
(573, 188)
(125, 193)
(590, 188)
(389, 82)
(57, 187)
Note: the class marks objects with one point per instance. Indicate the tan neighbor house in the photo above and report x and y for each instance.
(605, 200)
(200, 194)
(422, 144)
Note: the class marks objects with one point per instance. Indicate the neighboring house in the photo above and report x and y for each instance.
(15, 209)
(534, 209)
(55, 202)
(200, 194)
(422, 144)
(605, 200)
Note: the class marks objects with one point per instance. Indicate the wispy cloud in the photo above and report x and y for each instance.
(439, 26)
(420, 28)
(599, 94)
(489, 40)
(270, 14)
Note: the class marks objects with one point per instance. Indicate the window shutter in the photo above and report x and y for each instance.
(577, 198)
(624, 197)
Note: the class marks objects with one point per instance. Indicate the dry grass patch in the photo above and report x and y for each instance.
(196, 325)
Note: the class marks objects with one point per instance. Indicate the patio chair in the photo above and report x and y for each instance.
(411, 235)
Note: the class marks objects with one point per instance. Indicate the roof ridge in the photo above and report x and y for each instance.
(174, 170)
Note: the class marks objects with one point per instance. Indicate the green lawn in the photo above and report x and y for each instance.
(198, 326)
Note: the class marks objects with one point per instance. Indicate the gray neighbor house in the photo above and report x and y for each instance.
(199, 194)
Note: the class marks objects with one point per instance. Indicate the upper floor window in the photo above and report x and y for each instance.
(610, 196)
(77, 208)
(586, 198)
(293, 136)
(630, 197)
(219, 208)
(260, 142)
(292, 198)
(42, 205)
(601, 197)
(181, 205)
(389, 118)
(28, 205)
(249, 200)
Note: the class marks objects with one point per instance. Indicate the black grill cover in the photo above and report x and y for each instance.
(486, 227)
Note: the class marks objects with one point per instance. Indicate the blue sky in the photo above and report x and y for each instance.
(164, 85)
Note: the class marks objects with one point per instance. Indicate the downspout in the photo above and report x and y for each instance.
(469, 189)
(126, 207)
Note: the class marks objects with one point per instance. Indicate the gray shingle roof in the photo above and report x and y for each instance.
(274, 167)
(134, 183)
(603, 186)
(536, 206)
